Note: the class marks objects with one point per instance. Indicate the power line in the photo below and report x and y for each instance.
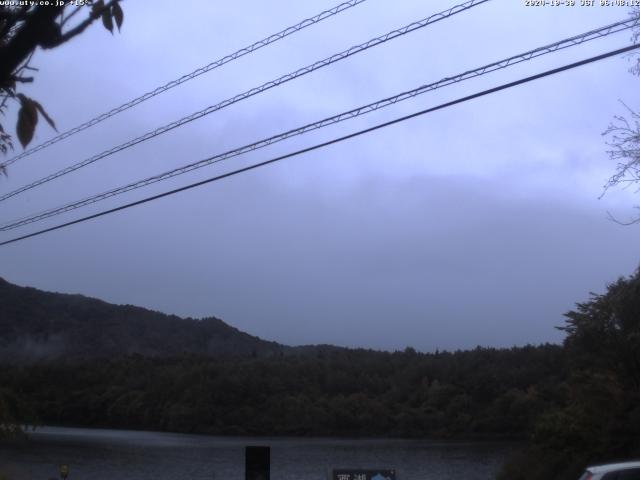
(513, 60)
(254, 91)
(333, 141)
(185, 78)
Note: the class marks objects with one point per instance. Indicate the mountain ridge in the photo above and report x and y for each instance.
(37, 325)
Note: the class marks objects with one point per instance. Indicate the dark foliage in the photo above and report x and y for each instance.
(80, 361)
(482, 392)
(600, 421)
(24, 28)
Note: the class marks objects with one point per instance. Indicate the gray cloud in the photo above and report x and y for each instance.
(479, 224)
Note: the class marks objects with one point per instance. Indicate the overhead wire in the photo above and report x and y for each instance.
(189, 76)
(333, 141)
(254, 91)
(371, 107)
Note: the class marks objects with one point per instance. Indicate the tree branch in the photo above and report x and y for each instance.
(81, 27)
(70, 16)
(23, 79)
(620, 222)
(36, 30)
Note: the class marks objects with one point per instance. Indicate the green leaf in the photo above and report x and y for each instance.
(107, 21)
(118, 14)
(96, 8)
(44, 114)
(27, 120)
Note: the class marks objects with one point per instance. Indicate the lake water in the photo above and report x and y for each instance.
(117, 454)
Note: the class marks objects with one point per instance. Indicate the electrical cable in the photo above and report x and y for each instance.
(189, 76)
(513, 60)
(333, 141)
(254, 91)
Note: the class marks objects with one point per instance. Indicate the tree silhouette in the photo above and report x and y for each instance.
(24, 29)
(624, 142)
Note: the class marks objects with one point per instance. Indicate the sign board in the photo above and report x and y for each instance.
(361, 474)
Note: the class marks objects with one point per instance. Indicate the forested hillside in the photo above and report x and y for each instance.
(72, 360)
(42, 325)
(483, 392)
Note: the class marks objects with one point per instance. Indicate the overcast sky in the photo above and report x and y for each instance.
(475, 225)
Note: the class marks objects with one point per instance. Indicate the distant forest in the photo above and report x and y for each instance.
(348, 392)
(575, 404)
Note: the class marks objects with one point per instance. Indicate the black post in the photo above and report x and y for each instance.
(257, 465)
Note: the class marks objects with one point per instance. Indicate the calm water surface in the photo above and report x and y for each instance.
(119, 454)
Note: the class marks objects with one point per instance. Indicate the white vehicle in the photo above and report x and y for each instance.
(613, 471)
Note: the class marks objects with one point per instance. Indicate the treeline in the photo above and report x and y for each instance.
(482, 392)
(599, 420)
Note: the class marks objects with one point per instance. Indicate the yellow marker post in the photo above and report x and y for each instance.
(64, 471)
